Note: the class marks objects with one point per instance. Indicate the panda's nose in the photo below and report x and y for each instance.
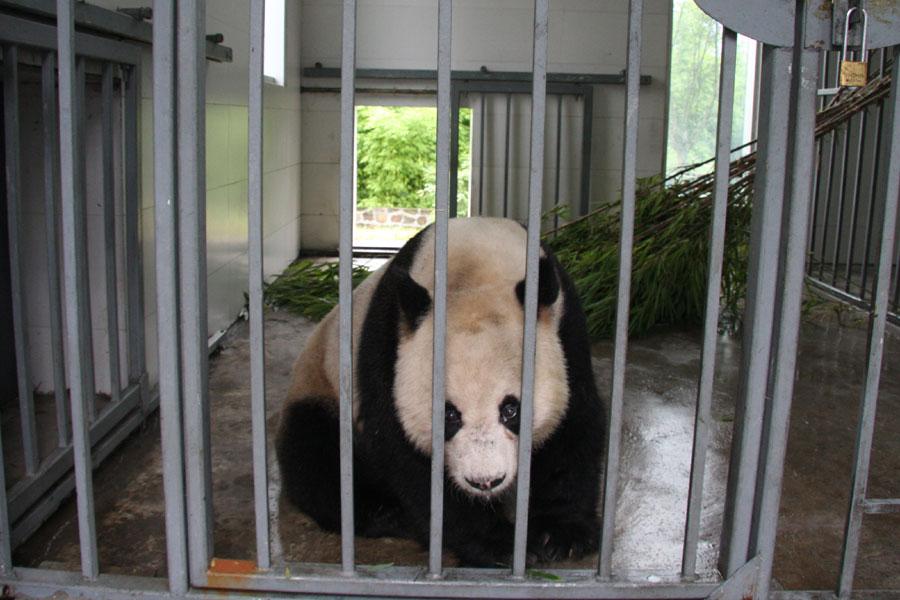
(485, 484)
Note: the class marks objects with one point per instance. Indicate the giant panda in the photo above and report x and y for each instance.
(392, 352)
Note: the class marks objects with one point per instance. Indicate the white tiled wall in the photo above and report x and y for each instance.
(585, 37)
(226, 170)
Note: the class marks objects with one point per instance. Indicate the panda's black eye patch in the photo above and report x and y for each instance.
(509, 413)
(452, 420)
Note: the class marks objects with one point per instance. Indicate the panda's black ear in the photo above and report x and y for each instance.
(548, 284)
(413, 298)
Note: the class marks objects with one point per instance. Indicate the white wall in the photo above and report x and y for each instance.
(585, 37)
(226, 172)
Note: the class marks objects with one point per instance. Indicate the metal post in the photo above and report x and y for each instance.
(535, 194)
(506, 158)
(713, 287)
(255, 252)
(443, 205)
(481, 159)
(51, 214)
(842, 192)
(763, 271)
(877, 319)
(348, 130)
(559, 103)
(873, 193)
(77, 311)
(109, 232)
(587, 129)
(134, 268)
(6, 563)
(13, 186)
(84, 283)
(803, 144)
(857, 184)
(453, 205)
(166, 210)
(626, 242)
(191, 104)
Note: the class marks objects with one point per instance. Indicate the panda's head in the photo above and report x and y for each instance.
(485, 324)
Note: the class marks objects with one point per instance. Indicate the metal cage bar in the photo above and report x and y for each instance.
(71, 81)
(255, 252)
(532, 255)
(854, 212)
(842, 193)
(14, 228)
(51, 214)
(134, 268)
(109, 231)
(166, 211)
(348, 135)
(713, 288)
(805, 75)
(877, 319)
(506, 158)
(191, 99)
(6, 564)
(441, 225)
(626, 242)
(763, 269)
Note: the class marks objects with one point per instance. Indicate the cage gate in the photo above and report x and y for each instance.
(793, 36)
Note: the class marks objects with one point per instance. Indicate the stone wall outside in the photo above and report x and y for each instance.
(394, 217)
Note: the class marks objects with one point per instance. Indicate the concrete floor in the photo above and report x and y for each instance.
(659, 403)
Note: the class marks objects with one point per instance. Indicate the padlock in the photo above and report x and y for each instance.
(854, 73)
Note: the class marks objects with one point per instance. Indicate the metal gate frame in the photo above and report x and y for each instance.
(779, 236)
(49, 479)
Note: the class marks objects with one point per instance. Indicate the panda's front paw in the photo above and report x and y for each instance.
(552, 541)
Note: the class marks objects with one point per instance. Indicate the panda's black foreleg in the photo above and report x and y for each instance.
(476, 531)
(309, 457)
(565, 485)
(309, 460)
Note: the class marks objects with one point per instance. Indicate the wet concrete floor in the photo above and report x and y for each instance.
(654, 470)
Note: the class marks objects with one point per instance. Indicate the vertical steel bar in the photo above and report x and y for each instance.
(14, 226)
(792, 294)
(626, 241)
(506, 159)
(134, 270)
(443, 204)
(255, 252)
(83, 288)
(51, 212)
(877, 317)
(854, 212)
(73, 234)
(191, 98)
(453, 205)
(6, 563)
(839, 224)
(166, 211)
(532, 255)
(109, 231)
(587, 129)
(826, 198)
(559, 103)
(817, 177)
(348, 130)
(873, 193)
(763, 271)
(481, 158)
(713, 287)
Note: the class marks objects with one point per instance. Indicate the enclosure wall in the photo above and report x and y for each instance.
(584, 37)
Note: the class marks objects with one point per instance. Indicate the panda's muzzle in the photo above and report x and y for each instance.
(485, 484)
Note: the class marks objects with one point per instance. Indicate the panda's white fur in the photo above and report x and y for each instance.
(485, 325)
